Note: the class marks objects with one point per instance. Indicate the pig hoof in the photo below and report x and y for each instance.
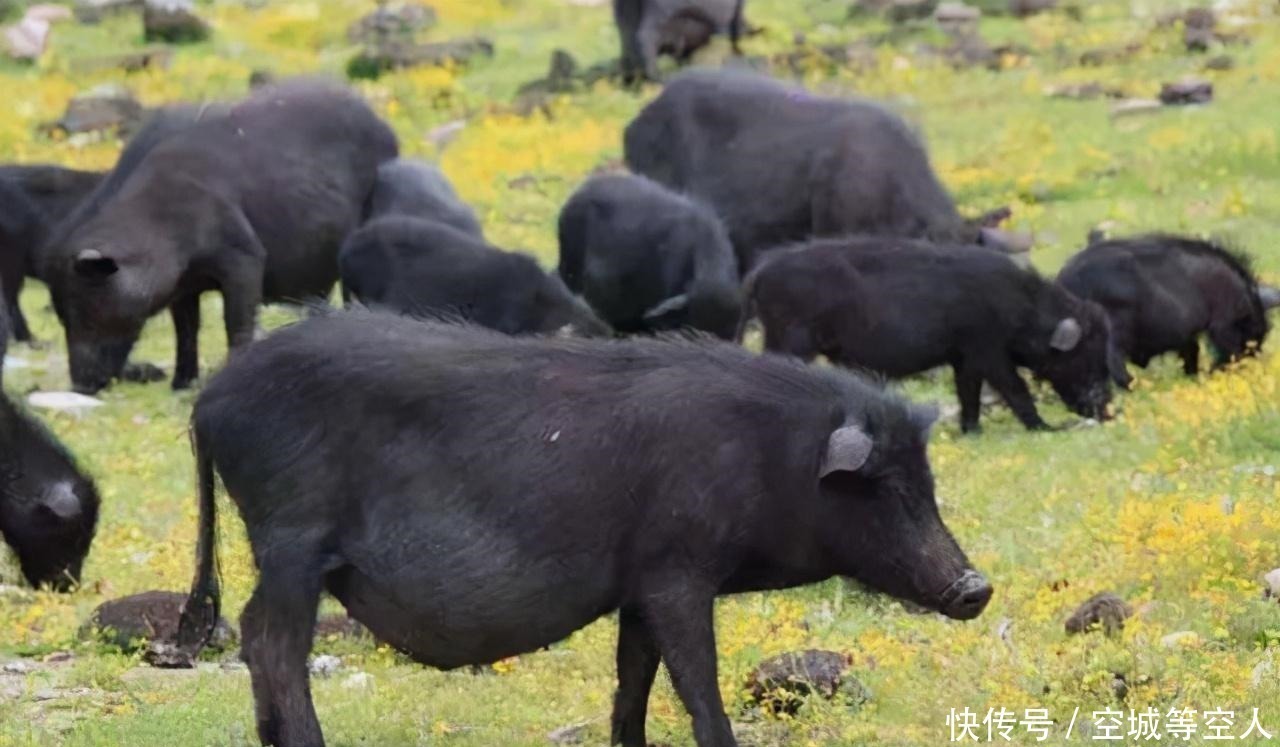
(180, 385)
(142, 373)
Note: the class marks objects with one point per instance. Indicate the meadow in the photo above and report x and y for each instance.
(1174, 505)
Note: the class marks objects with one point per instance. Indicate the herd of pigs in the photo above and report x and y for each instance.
(481, 457)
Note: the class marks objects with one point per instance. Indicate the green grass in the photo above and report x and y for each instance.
(1175, 505)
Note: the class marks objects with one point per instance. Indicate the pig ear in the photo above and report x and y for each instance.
(923, 417)
(62, 502)
(1269, 296)
(1066, 335)
(675, 303)
(847, 451)
(90, 263)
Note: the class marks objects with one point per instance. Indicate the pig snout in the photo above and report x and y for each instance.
(966, 597)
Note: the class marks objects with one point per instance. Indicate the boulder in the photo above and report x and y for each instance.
(26, 40)
(93, 11)
(902, 11)
(107, 107)
(1104, 611)
(957, 19)
(1024, 8)
(129, 623)
(1271, 582)
(403, 21)
(173, 21)
(1198, 29)
(395, 55)
(1186, 91)
(781, 684)
(153, 58)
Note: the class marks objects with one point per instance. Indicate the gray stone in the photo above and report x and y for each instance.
(129, 623)
(401, 21)
(173, 21)
(1104, 611)
(107, 107)
(781, 684)
(1186, 91)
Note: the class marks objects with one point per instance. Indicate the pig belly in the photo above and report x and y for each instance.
(448, 623)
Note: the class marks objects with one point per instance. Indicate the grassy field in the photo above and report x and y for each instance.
(1175, 505)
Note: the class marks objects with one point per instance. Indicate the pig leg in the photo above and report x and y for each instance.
(241, 283)
(1117, 356)
(736, 28)
(186, 326)
(969, 392)
(682, 625)
(276, 630)
(637, 665)
(1190, 354)
(648, 40)
(21, 332)
(794, 339)
(1004, 378)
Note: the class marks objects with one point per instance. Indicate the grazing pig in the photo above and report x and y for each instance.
(48, 508)
(781, 165)
(1162, 292)
(420, 190)
(470, 496)
(679, 28)
(901, 307)
(34, 199)
(647, 259)
(252, 200)
(428, 269)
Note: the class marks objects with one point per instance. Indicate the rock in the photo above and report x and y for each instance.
(1197, 29)
(1186, 91)
(324, 665)
(1181, 639)
(166, 655)
(1024, 8)
(901, 11)
(358, 681)
(57, 657)
(395, 55)
(155, 58)
(781, 684)
(1220, 63)
(26, 39)
(1263, 673)
(1272, 582)
(341, 626)
(446, 133)
(173, 21)
(130, 622)
(1105, 610)
(259, 78)
(1084, 91)
(403, 21)
(107, 107)
(94, 11)
(571, 734)
(1109, 55)
(1128, 107)
(18, 667)
(69, 402)
(957, 18)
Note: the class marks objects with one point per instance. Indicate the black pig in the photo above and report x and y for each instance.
(647, 259)
(252, 200)
(901, 307)
(1163, 292)
(471, 496)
